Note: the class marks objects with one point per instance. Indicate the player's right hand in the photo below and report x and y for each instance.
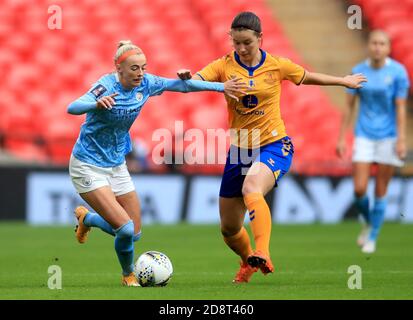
(184, 74)
(234, 87)
(106, 102)
(341, 148)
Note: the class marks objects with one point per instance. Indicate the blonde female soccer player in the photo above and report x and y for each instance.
(269, 147)
(380, 132)
(97, 165)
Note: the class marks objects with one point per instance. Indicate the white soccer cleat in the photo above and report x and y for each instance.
(369, 247)
(363, 236)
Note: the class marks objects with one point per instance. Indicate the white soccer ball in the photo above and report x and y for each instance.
(153, 268)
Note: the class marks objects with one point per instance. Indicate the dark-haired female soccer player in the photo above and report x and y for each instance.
(258, 114)
(97, 165)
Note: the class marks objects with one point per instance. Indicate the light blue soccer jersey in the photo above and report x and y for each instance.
(104, 138)
(377, 113)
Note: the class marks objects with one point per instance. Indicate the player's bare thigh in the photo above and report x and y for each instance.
(232, 213)
(130, 202)
(361, 175)
(103, 201)
(259, 179)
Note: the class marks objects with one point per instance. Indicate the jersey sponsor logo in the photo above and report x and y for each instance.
(98, 90)
(248, 113)
(139, 96)
(250, 101)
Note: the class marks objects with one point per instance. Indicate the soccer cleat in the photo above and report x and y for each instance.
(81, 230)
(369, 247)
(262, 261)
(130, 280)
(363, 236)
(245, 273)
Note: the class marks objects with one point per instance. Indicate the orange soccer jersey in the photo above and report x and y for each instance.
(259, 111)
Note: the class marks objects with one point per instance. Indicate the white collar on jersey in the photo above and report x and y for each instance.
(116, 77)
(387, 61)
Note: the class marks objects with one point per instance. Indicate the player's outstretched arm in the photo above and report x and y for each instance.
(232, 87)
(353, 81)
(87, 103)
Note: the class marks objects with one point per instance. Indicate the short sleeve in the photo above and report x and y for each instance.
(214, 71)
(402, 84)
(156, 85)
(291, 71)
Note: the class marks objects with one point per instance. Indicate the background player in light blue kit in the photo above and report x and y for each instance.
(380, 131)
(97, 165)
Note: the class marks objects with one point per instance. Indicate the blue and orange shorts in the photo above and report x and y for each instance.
(276, 155)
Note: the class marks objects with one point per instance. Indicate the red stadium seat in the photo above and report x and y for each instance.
(188, 34)
(27, 151)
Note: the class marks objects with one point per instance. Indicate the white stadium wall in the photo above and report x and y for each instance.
(167, 199)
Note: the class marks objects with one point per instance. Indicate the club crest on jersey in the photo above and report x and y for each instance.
(98, 90)
(139, 96)
(270, 78)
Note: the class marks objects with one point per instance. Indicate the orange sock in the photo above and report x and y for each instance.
(240, 244)
(260, 220)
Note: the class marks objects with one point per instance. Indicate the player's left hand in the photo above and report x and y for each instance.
(354, 81)
(401, 149)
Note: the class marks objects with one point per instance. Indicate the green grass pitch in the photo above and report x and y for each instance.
(311, 262)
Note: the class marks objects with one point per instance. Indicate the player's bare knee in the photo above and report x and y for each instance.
(380, 192)
(360, 191)
(249, 186)
(229, 231)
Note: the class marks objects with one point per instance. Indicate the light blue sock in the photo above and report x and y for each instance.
(377, 217)
(124, 246)
(362, 204)
(94, 220)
